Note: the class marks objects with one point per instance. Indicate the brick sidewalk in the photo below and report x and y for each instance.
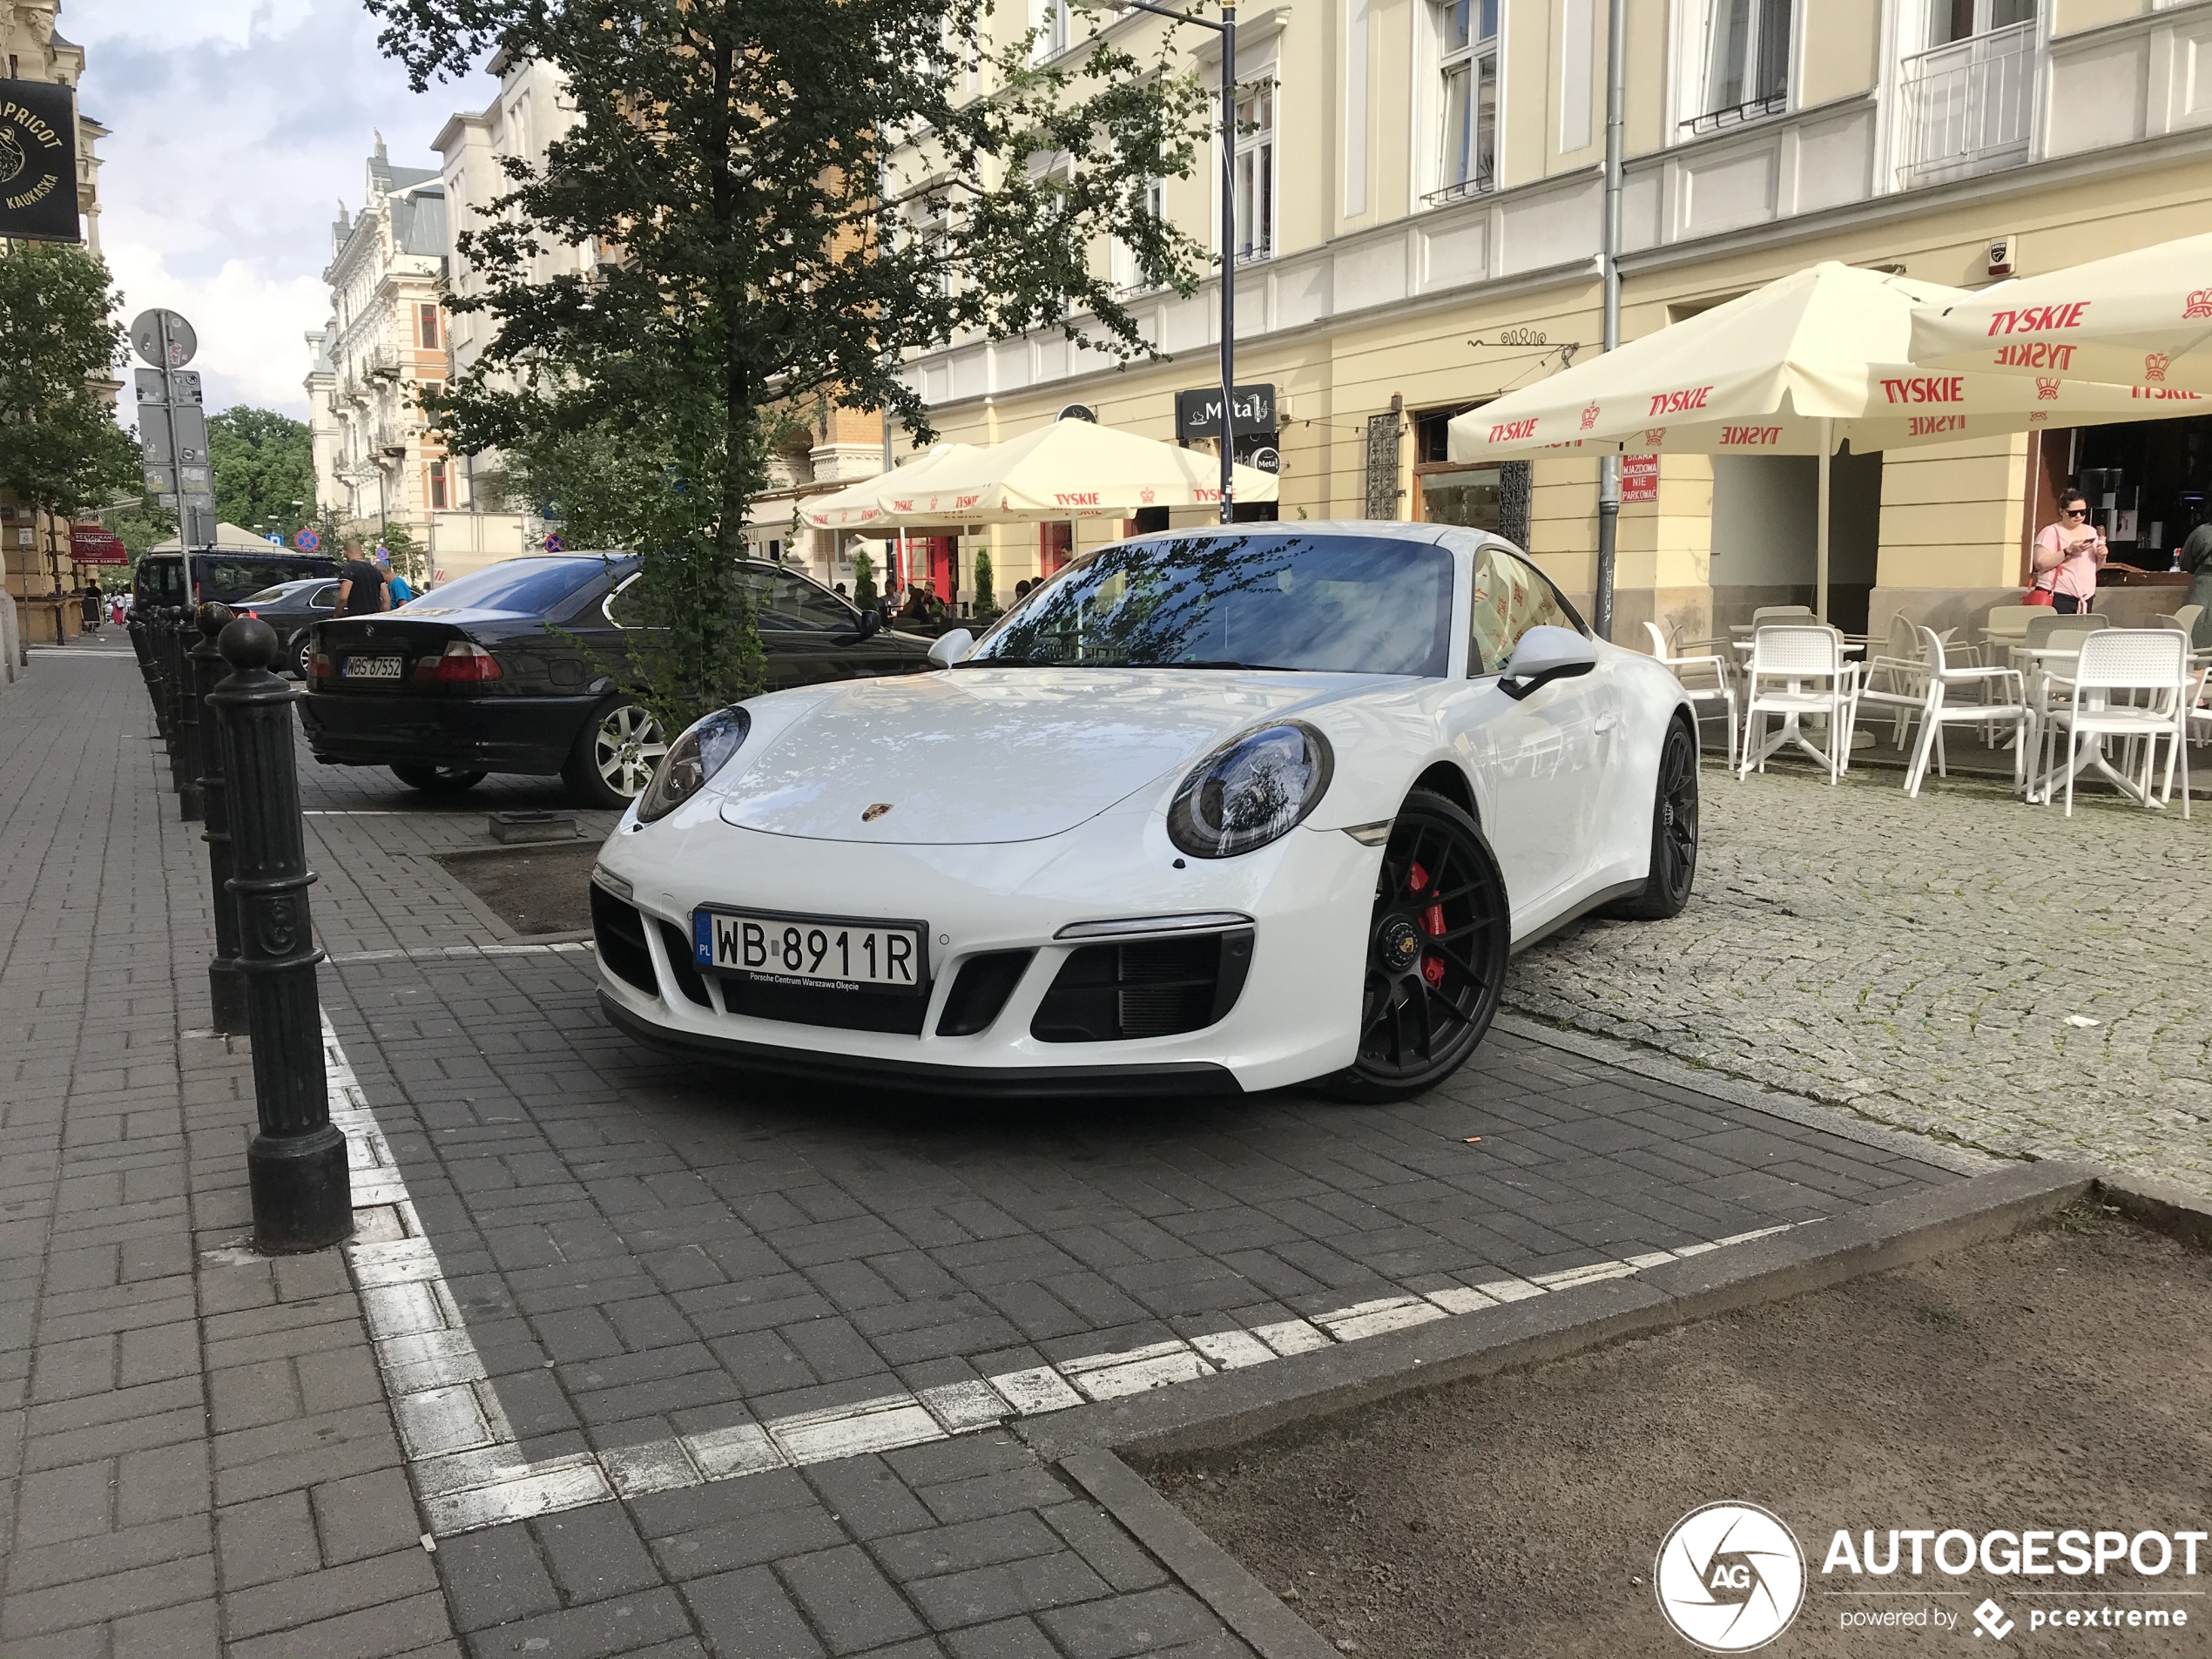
(588, 1271)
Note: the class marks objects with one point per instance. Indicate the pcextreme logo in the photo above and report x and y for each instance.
(1730, 1577)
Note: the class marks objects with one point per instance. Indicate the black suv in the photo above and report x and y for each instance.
(525, 666)
(224, 575)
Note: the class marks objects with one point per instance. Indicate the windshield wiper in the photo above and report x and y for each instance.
(1256, 668)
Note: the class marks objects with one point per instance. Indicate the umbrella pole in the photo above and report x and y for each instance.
(1820, 536)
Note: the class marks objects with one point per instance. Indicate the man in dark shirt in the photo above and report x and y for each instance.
(361, 584)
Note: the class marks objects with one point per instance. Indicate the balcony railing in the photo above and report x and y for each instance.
(1736, 114)
(1478, 184)
(1968, 106)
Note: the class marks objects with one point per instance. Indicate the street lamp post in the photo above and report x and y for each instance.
(1227, 29)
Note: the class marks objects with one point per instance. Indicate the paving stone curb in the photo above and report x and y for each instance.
(1087, 1446)
(1840, 1121)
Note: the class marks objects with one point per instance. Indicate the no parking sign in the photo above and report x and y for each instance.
(306, 540)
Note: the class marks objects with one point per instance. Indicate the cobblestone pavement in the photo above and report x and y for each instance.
(1961, 965)
(199, 1449)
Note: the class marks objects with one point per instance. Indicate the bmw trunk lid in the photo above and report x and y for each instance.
(985, 755)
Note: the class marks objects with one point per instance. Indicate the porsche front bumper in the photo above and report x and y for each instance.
(1306, 901)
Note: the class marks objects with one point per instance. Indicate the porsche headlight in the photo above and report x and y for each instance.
(704, 750)
(1252, 790)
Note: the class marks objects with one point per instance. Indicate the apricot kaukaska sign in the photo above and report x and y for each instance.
(37, 162)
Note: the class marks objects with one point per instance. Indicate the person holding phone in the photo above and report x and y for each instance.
(2068, 556)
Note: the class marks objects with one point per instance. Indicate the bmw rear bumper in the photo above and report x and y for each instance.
(517, 734)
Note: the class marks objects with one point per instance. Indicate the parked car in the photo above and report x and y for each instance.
(1209, 811)
(529, 666)
(289, 607)
(226, 575)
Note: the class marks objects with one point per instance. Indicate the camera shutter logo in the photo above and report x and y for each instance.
(1730, 1577)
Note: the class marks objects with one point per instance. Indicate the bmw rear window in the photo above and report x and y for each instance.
(525, 587)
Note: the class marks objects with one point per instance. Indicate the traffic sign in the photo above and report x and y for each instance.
(164, 339)
(306, 540)
(555, 545)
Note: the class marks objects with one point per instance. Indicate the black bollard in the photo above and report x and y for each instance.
(142, 644)
(172, 683)
(189, 719)
(225, 984)
(302, 1196)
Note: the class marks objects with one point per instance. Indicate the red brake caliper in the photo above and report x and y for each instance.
(1431, 923)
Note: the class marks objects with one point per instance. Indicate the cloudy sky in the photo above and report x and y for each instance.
(238, 126)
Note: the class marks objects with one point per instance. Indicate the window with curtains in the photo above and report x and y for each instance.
(438, 486)
(1468, 54)
(1253, 173)
(1746, 60)
(426, 327)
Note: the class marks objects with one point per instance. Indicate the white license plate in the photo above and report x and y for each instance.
(801, 950)
(369, 668)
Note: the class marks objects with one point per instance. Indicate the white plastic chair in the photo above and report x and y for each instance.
(1692, 672)
(1780, 616)
(2150, 663)
(1795, 671)
(2002, 701)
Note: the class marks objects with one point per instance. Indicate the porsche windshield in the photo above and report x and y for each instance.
(1271, 598)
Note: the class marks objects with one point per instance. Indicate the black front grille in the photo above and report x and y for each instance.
(680, 961)
(980, 990)
(1145, 988)
(894, 1011)
(621, 934)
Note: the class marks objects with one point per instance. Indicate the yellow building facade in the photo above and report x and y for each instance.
(1420, 227)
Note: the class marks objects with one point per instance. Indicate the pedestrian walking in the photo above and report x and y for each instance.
(2067, 558)
(394, 583)
(94, 606)
(361, 589)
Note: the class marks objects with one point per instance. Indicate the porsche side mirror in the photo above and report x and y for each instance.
(1545, 655)
(950, 648)
(869, 625)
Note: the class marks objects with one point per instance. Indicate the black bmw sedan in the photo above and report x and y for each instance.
(291, 608)
(524, 667)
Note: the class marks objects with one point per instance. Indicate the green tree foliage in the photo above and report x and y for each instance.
(265, 470)
(864, 593)
(60, 449)
(730, 172)
(987, 603)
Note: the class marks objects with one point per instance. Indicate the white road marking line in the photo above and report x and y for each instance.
(434, 953)
(464, 1455)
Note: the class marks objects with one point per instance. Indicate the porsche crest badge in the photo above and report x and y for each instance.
(875, 811)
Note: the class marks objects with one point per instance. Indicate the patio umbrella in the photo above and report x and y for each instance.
(2141, 319)
(858, 508)
(1808, 363)
(1066, 469)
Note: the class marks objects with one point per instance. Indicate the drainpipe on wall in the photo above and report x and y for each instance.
(1609, 467)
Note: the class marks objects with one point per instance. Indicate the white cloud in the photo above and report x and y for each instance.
(238, 125)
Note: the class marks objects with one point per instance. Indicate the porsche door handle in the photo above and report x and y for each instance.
(1605, 723)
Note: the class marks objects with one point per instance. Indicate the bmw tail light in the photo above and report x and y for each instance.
(462, 663)
(319, 667)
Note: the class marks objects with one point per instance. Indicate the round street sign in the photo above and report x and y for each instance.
(306, 540)
(555, 545)
(146, 336)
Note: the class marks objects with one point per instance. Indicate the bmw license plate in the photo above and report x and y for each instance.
(369, 668)
(812, 951)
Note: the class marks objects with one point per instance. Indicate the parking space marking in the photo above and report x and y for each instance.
(469, 1467)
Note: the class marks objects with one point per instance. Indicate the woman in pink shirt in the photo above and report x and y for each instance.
(2067, 556)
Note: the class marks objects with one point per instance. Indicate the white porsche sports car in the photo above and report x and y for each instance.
(1209, 811)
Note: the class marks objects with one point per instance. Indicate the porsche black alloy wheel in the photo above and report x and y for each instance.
(1436, 952)
(1674, 833)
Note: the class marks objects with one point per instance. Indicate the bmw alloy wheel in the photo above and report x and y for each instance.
(626, 745)
(1437, 947)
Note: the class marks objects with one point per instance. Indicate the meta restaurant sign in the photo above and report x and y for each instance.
(37, 162)
(1197, 415)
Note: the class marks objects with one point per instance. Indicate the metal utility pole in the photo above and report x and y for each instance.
(1227, 29)
(1609, 467)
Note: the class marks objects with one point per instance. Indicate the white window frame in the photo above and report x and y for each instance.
(1055, 19)
(1261, 150)
(1479, 61)
(1122, 259)
(1703, 113)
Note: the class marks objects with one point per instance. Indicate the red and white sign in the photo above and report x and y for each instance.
(90, 544)
(1639, 478)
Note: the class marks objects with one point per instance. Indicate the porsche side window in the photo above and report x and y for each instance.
(1510, 597)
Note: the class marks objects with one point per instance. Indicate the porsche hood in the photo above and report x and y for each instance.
(987, 755)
